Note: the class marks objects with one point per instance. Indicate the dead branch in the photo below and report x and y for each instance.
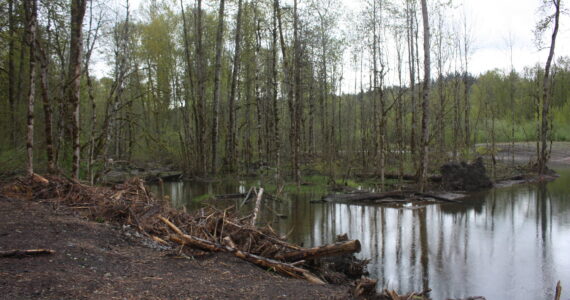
(257, 205)
(25, 253)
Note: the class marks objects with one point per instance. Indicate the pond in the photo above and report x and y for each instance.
(506, 243)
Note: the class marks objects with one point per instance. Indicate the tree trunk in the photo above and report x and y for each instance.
(466, 104)
(11, 71)
(258, 101)
(74, 77)
(43, 58)
(31, 17)
(425, 101)
(217, 87)
(411, 59)
(297, 105)
(544, 125)
(201, 101)
(90, 45)
(399, 112)
(274, 88)
(189, 90)
(375, 86)
(231, 139)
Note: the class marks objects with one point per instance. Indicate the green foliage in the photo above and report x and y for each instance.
(151, 116)
(562, 121)
(12, 160)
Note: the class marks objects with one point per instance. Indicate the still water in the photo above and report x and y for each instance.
(506, 243)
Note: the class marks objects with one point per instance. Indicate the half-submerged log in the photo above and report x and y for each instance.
(389, 197)
(25, 253)
(335, 249)
(283, 268)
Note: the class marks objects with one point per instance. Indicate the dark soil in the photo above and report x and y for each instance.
(465, 176)
(102, 261)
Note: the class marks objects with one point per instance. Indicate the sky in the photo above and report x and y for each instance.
(494, 20)
(491, 23)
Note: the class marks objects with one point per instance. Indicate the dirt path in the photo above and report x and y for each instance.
(100, 261)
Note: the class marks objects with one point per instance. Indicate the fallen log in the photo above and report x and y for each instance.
(335, 249)
(283, 268)
(408, 177)
(364, 196)
(232, 196)
(436, 197)
(24, 253)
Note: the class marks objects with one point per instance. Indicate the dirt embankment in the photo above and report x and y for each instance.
(101, 261)
(526, 151)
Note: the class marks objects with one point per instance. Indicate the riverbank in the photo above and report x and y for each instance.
(96, 259)
(106, 261)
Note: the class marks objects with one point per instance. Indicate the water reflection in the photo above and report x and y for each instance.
(510, 243)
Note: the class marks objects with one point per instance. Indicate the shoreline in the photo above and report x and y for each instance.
(107, 261)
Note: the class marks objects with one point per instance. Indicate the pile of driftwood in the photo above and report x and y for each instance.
(207, 229)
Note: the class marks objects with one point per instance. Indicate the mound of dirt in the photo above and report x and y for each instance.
(465, 176)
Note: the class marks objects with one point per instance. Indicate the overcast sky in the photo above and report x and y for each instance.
(491, 22)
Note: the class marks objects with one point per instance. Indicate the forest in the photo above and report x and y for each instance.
(274, 87)
(313, 149)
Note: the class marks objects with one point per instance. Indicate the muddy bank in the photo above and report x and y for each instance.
(524, 152)
(103, 261)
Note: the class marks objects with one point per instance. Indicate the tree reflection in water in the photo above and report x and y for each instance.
(509, 243)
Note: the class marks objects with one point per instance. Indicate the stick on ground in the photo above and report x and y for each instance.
(24, 253)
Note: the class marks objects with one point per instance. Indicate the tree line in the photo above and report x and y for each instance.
(240, 86)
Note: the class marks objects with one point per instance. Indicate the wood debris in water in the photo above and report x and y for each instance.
(207, 229)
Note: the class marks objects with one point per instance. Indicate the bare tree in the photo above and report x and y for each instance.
(78, 8)
(42, 56)
(31, 10)
(297, 105)
(92, 36)
(546, 81)
(11, 69)
(201, 101)
(466, 84)
(410, 12)
(189, 90)
(231, 139)
(217, 86)
(425, 99)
